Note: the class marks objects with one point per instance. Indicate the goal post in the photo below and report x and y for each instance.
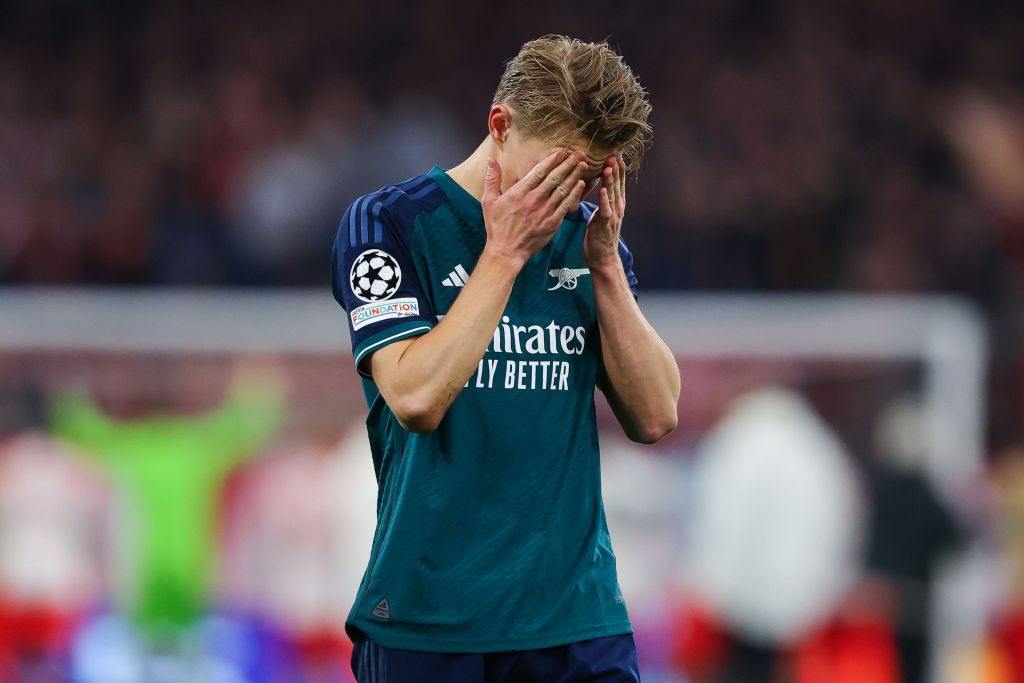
(944, 335)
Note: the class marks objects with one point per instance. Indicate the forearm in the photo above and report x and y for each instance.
(641, 375)
(425, 375)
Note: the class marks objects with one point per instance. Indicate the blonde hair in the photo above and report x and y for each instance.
(563, 89)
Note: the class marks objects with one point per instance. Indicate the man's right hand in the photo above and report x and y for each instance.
(523, 219)
(420, 377)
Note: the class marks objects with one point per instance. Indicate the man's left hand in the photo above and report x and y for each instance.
(601, 243)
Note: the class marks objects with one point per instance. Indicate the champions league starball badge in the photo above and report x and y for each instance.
(375, 275)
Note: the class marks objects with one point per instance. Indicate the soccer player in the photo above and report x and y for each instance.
(486, 303)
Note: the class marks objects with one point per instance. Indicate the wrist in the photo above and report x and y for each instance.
(606, 267)
(506, 260)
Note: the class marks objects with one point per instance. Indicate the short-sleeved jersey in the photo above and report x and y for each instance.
(491, 531)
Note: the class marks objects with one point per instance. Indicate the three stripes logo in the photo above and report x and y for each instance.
(457, 278)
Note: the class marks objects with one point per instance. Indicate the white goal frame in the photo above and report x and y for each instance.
(946, 335)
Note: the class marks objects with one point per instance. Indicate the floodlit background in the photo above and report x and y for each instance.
(828, 230)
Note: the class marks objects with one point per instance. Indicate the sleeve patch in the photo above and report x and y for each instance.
(403, 307)
(375, 276)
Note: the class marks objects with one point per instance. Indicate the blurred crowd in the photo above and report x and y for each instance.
(870, 146)
(798, 145)
(162, 550)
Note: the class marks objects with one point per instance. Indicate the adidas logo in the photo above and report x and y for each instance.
(457, 278)
(382, 610)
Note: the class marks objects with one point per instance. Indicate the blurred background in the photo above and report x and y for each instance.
(828, 230)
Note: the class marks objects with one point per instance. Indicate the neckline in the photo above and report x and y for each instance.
(464, 203)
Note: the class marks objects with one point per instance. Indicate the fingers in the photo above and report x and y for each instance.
(608, 180)
(571, 200)
(561, 179)
(604, 203)
(621, 196)
(566, 184)
(613, 179)
(539, 172)
(492, 180)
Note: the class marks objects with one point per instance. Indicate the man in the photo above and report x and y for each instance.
(486, 303)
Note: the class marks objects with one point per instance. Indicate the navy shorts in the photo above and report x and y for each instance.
(602, 660)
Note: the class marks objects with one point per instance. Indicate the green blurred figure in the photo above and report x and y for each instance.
(171, 469)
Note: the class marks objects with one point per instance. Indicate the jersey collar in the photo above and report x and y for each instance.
(466, 205)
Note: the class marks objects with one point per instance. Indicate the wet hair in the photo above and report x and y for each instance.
(564, 90)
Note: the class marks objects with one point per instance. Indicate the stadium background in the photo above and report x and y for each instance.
(153, 530)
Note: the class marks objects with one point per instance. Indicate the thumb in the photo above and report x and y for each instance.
(492, 180)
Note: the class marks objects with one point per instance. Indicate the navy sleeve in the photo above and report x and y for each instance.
(627, 265)
(374, 279)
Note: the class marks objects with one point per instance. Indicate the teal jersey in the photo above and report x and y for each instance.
(491, 531)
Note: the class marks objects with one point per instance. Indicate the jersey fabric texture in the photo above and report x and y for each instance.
(491, 532)
(602, 660)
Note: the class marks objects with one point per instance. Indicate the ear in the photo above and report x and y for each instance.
(499, 121)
